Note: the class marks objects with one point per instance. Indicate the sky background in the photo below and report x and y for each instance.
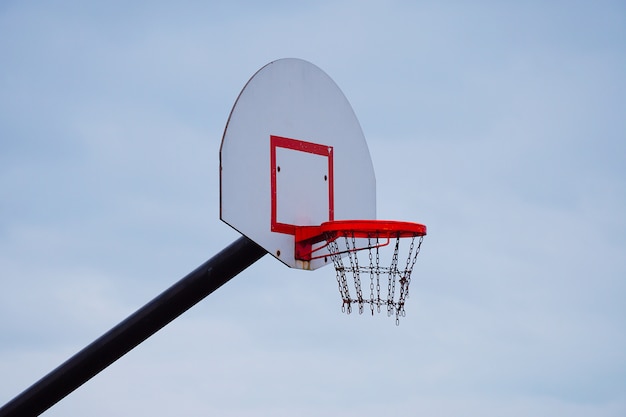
(499, 125)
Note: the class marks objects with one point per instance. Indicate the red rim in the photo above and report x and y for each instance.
(307, 236)
(373, 228)
(358, 228)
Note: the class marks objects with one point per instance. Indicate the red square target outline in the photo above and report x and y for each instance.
(300, 146)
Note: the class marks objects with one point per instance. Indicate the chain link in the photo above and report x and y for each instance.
(356, 272)
(410, 270)
(391, 284)
(378, 300)
(395, 276)
(372, 270)
(342, 282)
(405, 279)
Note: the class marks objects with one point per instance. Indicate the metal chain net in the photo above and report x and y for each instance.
(355, 258)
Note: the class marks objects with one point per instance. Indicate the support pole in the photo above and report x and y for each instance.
(135, 329)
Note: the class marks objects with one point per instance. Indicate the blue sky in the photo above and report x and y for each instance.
(499, 125)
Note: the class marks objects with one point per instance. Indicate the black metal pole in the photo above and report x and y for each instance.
(135, 329)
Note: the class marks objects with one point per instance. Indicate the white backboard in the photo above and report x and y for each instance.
(293, 154)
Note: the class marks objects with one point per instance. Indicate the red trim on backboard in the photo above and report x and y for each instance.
(300, 146)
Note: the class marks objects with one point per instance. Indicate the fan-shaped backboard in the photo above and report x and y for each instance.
(293, 153)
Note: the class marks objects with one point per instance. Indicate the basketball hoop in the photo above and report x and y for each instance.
(294, 150)
(365, 244)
